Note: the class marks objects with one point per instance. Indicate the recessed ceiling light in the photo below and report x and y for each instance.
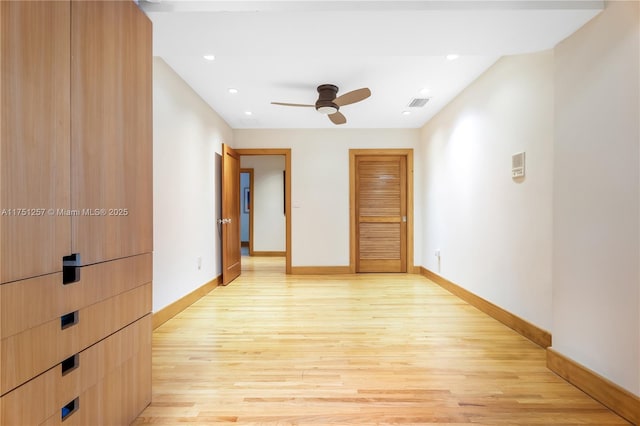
(425, 91)
(406, 112)
(233, 91)
(209, 57)
(452, 57)
(248, 113)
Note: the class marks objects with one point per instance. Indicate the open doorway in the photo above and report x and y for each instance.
(246, 213)
(268, 204)
(230, 208)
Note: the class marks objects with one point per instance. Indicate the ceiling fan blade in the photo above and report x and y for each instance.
(337, 118)
(353, 97)
(295, 105)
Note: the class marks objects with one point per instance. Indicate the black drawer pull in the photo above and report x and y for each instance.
(70, 364)
(68, 320)
(71, 268)
(70, 408)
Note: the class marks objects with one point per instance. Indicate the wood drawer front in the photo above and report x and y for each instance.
(29, 303)
(41, 399)
(39, 348)
(115, 400)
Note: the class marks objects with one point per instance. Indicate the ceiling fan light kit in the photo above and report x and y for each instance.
(327, 109)
(329, 103)
(326, 95)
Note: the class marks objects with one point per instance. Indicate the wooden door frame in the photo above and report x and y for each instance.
(249, 171)
(287, 192)
(353, 153)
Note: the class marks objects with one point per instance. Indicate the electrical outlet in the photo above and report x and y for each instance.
(437, 253)
(199, 260)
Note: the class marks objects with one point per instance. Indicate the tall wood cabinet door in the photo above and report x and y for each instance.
(111, 130)
(34, 138)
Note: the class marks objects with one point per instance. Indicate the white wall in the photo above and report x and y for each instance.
(320, 184)
(187, 135)
(493, 232)
(596, 210)
(267, 201)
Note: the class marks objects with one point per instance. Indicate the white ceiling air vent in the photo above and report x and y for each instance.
(418, 102)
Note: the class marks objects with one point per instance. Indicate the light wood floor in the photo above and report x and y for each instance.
(361, 349)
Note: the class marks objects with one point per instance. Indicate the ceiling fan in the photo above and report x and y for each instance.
(329, 103)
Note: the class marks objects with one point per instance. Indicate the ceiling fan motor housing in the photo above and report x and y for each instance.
(327, 94)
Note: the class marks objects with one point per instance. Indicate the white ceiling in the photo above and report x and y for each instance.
(282, 50)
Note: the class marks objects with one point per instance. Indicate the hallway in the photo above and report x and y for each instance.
(350, 349)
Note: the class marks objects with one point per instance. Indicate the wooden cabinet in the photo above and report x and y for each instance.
(111, 130)
(34, 138)
(109, 296)
(75, 178)
(76, 134)
(104, 380)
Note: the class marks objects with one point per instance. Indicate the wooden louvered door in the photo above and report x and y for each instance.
(381, 213)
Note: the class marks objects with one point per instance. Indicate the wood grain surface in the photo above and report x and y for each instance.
(351, 349)
(111, 131)
(34, 138)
